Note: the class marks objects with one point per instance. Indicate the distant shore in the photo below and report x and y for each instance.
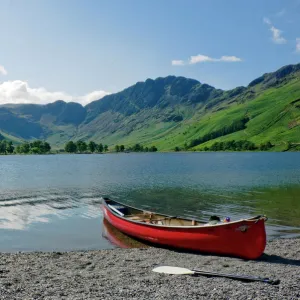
(127, 274)
(184, 152)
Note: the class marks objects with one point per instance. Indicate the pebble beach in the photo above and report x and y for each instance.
(127, 274)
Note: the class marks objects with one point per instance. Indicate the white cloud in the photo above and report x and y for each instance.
(277, 38)
(298, 45)
(267, 21)
(2, 70)
(199, 58)
(19, 91)
(96, 95)
(177, 63)
(204, 58)
(276, 33)
(230, 59)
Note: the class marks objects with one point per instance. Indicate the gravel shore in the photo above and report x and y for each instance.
(127, 274)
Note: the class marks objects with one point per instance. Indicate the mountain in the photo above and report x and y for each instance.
(32, 121)
(168, 112)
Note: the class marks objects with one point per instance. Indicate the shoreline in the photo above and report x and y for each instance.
(165, 152)
(127, 274)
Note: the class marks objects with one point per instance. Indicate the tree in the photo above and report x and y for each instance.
(36, 144)
(92, 146)
(153, 149)
(70, 147)
(105, 148)
(9, 147)
(136, 148)
(122, 148)
(81, 146)
(117, 148)
(39, 147)
(6, 147)
(266, 146)
(25, 148)
(18, 149)
(177, 149)
(46, 147)
(269, 145)
(3, 147)
(35, 150)
(100, 148)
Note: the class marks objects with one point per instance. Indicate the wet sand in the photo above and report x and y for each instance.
(127, 274)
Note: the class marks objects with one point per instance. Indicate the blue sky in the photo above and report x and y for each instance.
(80, 50)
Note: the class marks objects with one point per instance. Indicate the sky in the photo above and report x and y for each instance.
(77, 50)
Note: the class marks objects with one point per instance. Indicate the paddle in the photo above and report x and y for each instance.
(184, 271)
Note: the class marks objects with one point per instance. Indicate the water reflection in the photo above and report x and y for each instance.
(21, 209)
(118, 238)
(280, 204)
(47, 195)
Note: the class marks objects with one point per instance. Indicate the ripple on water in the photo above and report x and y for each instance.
(54, 201)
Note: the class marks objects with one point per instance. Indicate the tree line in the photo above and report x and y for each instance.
(36, 147)
(235, 126)
(233, 145)
(242, 145)
(83, 147)
(42, 147)
(136, 148)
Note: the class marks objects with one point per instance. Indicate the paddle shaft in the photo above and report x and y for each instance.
(233, 276)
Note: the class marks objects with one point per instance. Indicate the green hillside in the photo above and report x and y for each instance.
(274, 115)
(170, 112)
(15, 140)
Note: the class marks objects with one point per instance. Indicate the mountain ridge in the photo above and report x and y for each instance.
(149, 111)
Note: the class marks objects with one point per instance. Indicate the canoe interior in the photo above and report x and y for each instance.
(137, 215)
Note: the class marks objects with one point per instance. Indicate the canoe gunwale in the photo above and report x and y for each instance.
(253, 219)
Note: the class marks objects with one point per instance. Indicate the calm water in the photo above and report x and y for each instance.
(53, 202)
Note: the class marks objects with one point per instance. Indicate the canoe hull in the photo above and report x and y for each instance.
(245, 239)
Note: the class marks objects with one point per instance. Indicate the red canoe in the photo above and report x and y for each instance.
(242, 238)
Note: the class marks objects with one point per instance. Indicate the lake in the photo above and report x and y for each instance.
(52, 202)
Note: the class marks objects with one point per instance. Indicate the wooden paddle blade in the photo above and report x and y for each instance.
(173, 270)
